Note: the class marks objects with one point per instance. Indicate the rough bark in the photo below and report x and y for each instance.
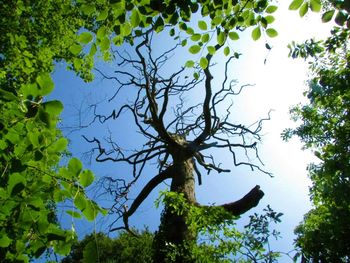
(173, 227)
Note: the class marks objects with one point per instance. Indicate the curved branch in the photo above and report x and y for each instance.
(244, 204)
(206, 105)
(154, 182)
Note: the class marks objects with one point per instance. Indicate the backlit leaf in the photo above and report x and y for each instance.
(271, 9)
(196, 37)
(256, 33)
(87, 9)
(303, 9)
(295, 5)
(202, 25)
(86, 178)
(211, 50)
(135, 18)
(221, 38)
(75, 166)
(226, 51)
(233, 35)
(269, 19)
(326, 17)
(80, 201)
(75, 49)
(105, 44)
(271, 32)
(53, 107)
(85, 38)
(189, 64)
(45, 83)
(102, 15)
(194, 49)
(90, 212)
(205, 38)
(58, 146)
(203, 62)
(315, 5)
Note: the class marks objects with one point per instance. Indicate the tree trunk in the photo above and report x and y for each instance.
(173, 231)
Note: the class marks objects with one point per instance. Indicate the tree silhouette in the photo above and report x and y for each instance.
(178, 135)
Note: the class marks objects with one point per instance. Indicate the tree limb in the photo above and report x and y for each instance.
(246, 203)
(146, 190)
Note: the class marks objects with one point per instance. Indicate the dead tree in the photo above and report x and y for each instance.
(178, 136)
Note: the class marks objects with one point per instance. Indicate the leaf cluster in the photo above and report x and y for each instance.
(325, 128)
(219, 240)
(97, 247)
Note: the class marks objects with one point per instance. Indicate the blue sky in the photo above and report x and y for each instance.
(278, 84)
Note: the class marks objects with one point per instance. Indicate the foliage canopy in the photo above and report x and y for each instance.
(325, 128)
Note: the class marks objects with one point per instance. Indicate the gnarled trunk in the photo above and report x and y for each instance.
(173, 231)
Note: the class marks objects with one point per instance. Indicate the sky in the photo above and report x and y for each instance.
(278, 85)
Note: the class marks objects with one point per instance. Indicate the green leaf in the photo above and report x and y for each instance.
(16, 183)
(271, 32)
(203, 62)
(101, 32)
(74, 214)
(233, 35)
(326, 17)
(80, 201)
(62, 247)
(202, 25)
(194, 49)
(303, 9)
(270, 19)
(227, 51)
(184, 42)
(45, 83)
(205, 38)
(196, 37)
(85, 38)
(90, 212)
(221, 38)
(93, 50)
(271, 9)
(211, 50)
(5, 241)
(53, 107)
(75, 166)
(126, 29)
(189, 64)
(196, 75)
(256, 33)
(159, 24)
(172, 32)
(216, 21)
(295, 5)
(102, 15)
(87, 9)
(105, 44)
(315, 5)
(86, 178)
(75, 49)
(135, 18)
(190, 31)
